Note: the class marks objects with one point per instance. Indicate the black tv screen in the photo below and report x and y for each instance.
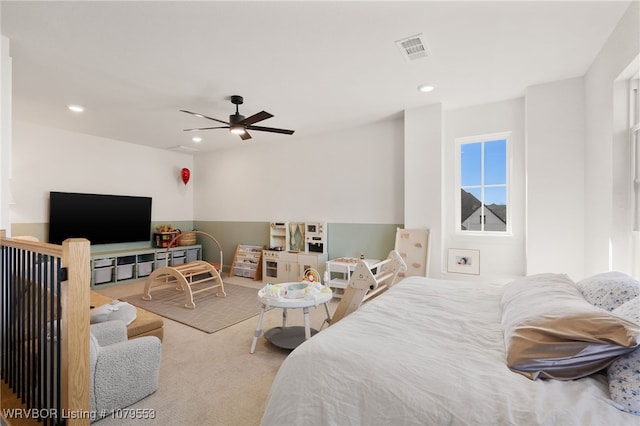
(102, 219)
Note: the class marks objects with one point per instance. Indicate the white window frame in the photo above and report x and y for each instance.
(635, 175)
(458, 187)
(634, 141)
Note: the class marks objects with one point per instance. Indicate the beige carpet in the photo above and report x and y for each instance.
(211, 379)
(210, 314)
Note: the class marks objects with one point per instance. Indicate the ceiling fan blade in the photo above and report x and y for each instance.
(204, 116)
(244, 136)
(206, 128)
(262, 115)
(271, 129)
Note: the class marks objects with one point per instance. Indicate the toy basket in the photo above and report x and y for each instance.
(178, 240)
(187, 239)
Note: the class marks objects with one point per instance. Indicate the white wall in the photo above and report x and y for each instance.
(621, 49)
(423, 171)
(555, 178)
(47, 159)
(501, 257)
(5, 134)
(350, 176)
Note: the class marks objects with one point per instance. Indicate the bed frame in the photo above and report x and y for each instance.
(367, 282)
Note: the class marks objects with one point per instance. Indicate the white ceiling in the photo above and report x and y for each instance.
(316, 66)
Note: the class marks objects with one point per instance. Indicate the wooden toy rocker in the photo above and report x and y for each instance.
(197, 272)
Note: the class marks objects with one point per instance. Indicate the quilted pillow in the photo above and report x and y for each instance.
(552, 332)
(624, 372)
(609, 289)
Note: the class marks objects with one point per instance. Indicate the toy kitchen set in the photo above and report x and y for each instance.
(293, 248)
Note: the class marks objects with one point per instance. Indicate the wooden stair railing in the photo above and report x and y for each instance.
(44, 332)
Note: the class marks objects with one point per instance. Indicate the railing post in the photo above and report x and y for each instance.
(76, 257)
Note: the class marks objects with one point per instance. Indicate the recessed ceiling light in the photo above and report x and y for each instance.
(426, 88)
(196, 139)
(75, 108)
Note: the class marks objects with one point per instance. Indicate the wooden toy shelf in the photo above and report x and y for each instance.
(247, 262)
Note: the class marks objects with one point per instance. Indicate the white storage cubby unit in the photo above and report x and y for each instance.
(178, 257)
(120, 266)
(247, 262)
(162, 259)
(144, 263)
(125, 266)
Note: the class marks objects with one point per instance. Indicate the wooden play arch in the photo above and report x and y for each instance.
(204, 275)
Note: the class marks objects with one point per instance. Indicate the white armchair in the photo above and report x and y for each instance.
(122, 371)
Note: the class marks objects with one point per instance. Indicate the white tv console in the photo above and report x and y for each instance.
(116, 267)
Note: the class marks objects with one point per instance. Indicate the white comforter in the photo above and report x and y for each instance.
(427, 352)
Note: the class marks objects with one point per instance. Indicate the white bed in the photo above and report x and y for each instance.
(427, 352)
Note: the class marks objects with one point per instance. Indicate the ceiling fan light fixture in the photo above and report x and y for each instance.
(237, 129)
(238, 123)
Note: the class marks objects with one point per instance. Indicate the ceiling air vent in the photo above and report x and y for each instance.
(413, 48)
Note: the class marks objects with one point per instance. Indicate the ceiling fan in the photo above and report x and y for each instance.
(238, 124)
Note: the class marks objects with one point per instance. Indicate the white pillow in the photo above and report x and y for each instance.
(609, 289)
(624, 372)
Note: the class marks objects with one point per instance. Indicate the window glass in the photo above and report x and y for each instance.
(636, 219)
(483, 186)
(471, 163)
(495, 201)
(495, 162)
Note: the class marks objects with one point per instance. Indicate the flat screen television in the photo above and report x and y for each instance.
(102, 219)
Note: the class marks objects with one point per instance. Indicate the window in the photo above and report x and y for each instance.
(483, 184)
(634, 122)
(635, 141)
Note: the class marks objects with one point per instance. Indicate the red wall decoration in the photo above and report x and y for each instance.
(185, 174)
